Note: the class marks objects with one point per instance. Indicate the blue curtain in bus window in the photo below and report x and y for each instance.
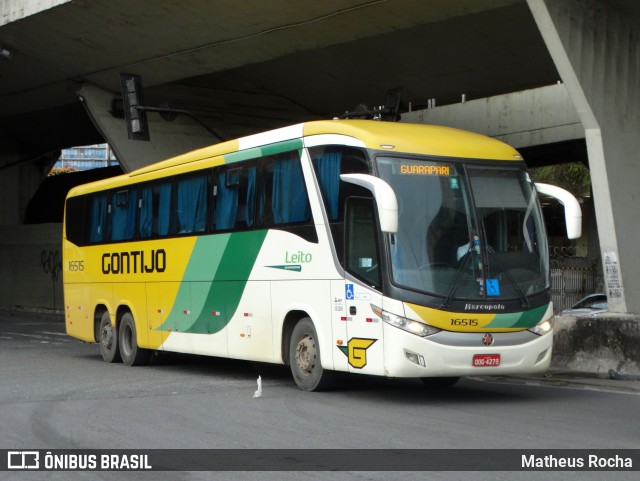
(289, 197)
(98, 214)
(261, 194)
(226, 203)
(328, 170)
(123, 215)
(162, 218)
(191, 206)
(145, 222)
(251, 194)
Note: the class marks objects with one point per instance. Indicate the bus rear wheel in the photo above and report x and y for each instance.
(132, 355)
(304, 357)
(108, 339)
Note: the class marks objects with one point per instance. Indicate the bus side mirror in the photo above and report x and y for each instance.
(572, 211)
(384, 195)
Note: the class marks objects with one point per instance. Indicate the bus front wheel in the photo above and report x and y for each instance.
(132, 355)
(304, 357)
(108, 339)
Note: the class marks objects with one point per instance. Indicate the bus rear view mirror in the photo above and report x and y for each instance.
(572, 211)
(384, 195)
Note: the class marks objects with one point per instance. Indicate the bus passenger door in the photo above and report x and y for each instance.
(364, 348)
(339, 326)
(364, 330)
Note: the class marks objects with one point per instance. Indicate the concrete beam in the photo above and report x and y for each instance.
(596, 50)
(522, 119)
(167, 138)
(12, 10)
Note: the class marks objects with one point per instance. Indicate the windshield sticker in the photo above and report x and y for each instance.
(406, 169)
(493, 287)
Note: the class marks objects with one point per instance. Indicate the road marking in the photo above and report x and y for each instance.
(36, 336)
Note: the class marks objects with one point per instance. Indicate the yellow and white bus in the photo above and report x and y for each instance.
(359, 246)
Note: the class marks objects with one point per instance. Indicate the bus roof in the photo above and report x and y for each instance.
(417, 138)
(389, 136)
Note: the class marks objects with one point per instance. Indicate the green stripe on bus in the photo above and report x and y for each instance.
(271, 149)
(524, 319)
(286, 146)
(214, 281)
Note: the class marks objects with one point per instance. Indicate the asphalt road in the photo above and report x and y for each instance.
(57, 393)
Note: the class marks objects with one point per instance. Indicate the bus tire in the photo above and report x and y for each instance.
(132, 355)
(108, 339)
(304, 358)
(439, 382)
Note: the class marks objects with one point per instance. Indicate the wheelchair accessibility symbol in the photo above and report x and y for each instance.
(493, 287)
(349, 292)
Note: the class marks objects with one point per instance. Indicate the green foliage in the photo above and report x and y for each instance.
(61, 170)
(573, 177)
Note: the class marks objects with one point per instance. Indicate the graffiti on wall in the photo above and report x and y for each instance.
(51, 263)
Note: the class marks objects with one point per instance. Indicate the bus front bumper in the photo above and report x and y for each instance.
(408, 355)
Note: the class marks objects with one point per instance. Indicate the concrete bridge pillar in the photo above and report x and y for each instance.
(596, 50)
(20, 177)
(167, 138)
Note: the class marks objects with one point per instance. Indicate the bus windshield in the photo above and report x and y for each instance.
(466, 231)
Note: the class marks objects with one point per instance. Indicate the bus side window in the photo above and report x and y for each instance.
(282, 195)
(74, 215)
(191, 205)
(362, 255)
(155, 210)
(225, 199)
(329, 162)
(122, 214)
(96, 219)
(234, 198)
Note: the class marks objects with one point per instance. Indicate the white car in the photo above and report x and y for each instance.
(589, 306)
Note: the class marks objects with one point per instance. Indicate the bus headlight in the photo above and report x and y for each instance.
(414, 327)
(542, 327)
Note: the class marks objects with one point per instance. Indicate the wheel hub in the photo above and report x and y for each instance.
(107, 336)
(306, 354)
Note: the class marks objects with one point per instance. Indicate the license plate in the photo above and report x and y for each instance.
(486, 360)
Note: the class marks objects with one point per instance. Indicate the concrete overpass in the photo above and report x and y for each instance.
(244, 66)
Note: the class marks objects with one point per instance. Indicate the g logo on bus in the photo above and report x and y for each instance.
(487, 339)
(356, 351)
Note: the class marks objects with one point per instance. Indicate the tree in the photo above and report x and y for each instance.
(573, 177)
(61, 170)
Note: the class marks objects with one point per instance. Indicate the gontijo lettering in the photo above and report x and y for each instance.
(134, 262)
(407, 169)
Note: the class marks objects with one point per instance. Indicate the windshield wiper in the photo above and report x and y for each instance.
(465, 260)
(516, 286)
(456, 280)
